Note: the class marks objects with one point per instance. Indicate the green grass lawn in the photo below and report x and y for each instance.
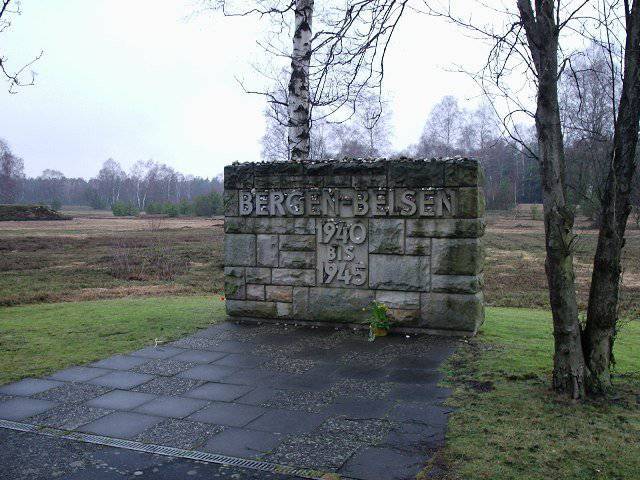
(37, 340)
(509, 425)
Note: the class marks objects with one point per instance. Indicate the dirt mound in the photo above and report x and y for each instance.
(29, 212)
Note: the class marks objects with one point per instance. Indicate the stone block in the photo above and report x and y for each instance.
(448, 311)
(251, 308)
(460, 256)
(258, 275)
(267, 251)
(255, 292)
(470, 203)
(386, 235)
(457, 283)
(463, 172)
(337, 181)
(234, 283)
(416, 174)
(401, 300)
(300, 302)
(340, 304)
(237, 225)
(238, 176)
(296, 277)
(417, 246)
(404, 318)
(284, 310)
(297, 260)
(280, 225)
(363, 182)
(230, 201)
(278, 168)
(300, 243)
(279, 293)
(396, 272)
(445, 228)
(240, 250)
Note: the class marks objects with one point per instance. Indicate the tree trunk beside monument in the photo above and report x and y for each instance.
(320, 242)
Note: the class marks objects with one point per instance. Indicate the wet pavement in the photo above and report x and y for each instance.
(320, 399)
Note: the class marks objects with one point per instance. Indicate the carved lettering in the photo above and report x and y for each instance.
(349, 203)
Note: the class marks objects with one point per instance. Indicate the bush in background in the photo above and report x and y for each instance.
(124, 209)
(208, 205)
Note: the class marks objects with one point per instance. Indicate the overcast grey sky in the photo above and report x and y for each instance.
(139, 79)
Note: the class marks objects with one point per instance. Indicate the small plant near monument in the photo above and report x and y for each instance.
(379, 325)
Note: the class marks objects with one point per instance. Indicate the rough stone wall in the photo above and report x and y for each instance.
(321, 241)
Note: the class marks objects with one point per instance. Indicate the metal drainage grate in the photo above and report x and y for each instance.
(163, 450)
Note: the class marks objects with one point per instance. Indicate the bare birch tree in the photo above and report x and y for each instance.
(331, 66)
(299, 88)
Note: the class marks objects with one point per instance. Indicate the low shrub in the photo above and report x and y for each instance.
(124, 209)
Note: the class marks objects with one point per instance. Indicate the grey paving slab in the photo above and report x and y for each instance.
(250, 376)
(176, 407)
(372, 463)
(258, 396)
(79, 374)
(19, 408)
(228, 414)
(243, 443)
(120, 362)
(121, 424)
(222, 392)
(122, 380)
(286, 421)
(420, 412)
(240, 360)
(414, 437)
(414, 376)
(234, 346)
(121, 400)
(168, 386)
(209, 373)
(158, 352)
(199, 356)
(29, 386)
(360, 408)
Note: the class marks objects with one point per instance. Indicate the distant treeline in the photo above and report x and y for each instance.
(147, 186)
(201, 206)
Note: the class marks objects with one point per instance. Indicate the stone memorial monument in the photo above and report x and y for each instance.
(319, 242)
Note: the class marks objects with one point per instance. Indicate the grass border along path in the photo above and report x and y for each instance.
(509, 425)
(37, 340)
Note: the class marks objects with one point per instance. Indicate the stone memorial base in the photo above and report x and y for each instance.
(320, 242)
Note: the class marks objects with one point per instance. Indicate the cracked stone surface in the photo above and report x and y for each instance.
(304, 397)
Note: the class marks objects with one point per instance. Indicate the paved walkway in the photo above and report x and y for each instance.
(309, 398)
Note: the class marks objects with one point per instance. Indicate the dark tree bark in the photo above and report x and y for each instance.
(602, 312)
(542, 37)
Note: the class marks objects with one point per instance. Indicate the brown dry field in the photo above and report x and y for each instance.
(52, 261)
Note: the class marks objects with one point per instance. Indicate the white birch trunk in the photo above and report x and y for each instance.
(299, 95)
